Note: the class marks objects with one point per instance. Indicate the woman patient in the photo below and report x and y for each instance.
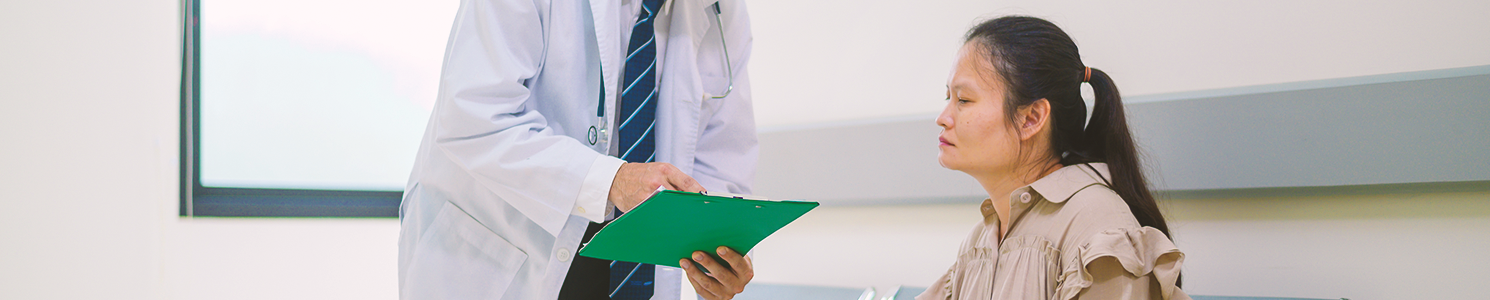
(1069, 215)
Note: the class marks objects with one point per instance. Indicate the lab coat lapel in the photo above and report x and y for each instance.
(606, 16)
(680, 26)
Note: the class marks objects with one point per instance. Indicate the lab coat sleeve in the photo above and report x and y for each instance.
(485, 124)
(597, 208)
(727, 148)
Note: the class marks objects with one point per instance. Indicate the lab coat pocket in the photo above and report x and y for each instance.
(458, 258)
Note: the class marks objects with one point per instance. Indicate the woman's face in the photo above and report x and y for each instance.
(976, 136)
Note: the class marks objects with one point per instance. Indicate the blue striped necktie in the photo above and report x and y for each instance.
(633, 281)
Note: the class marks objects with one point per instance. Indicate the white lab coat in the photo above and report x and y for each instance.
(493, 208)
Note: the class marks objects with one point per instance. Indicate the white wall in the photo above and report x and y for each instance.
(89, 123)
(89, 126)
(244, 258)
(88, 90)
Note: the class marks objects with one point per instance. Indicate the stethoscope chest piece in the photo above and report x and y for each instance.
(594, 135)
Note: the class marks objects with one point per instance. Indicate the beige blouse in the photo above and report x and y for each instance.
(1070, 237)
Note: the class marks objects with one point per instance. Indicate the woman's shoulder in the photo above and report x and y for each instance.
(1100, 207)
(1082, 194)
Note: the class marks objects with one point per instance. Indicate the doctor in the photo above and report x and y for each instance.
(552, 116)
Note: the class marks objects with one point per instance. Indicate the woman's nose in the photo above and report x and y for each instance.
(945, 118)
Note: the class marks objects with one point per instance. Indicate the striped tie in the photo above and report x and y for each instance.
(633, 281)
(638, 105)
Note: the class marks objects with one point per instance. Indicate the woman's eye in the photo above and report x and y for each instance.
(963, 101)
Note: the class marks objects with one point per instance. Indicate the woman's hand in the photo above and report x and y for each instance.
(723, 281)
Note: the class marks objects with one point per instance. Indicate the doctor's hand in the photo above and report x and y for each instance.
(636, 181)
(723, 281)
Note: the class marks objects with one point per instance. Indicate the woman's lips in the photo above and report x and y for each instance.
(944, 141)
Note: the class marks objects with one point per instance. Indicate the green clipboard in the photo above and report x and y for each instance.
(670, 225)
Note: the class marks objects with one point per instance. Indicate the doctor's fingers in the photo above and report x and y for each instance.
(667, 176)
(683, 182)
(727, 278)
(702, 283)
(740, 264)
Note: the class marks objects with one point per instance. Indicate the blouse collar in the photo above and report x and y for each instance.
(1064, 183)
(1057, 187)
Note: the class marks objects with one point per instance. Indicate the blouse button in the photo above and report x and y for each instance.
(563, 254)
(1024, 197)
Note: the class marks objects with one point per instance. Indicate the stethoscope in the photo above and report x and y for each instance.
(597, 134)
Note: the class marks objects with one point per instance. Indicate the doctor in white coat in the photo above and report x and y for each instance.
(517, 161)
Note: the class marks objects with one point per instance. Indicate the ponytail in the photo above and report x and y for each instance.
(1107, 139)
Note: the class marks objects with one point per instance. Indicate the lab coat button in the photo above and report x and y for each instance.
(563, 254)
(581, 209)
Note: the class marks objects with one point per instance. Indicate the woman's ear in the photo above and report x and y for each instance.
(1033, 118)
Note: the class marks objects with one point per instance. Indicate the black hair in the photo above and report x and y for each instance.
(1037, 60)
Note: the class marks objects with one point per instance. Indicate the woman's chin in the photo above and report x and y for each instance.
(947, 162)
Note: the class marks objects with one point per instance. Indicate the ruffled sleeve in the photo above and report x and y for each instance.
(941, 289)
(1144, 253)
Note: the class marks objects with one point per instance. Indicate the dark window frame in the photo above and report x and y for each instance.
(197, 200)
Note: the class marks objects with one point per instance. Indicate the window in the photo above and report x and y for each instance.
(305, 108)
